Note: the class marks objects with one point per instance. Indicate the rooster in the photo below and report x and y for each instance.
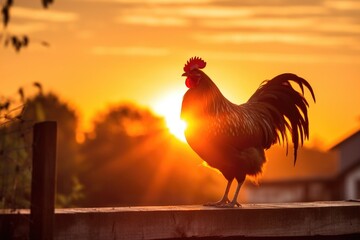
(233, 138)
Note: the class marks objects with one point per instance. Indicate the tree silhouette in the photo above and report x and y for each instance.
(110, 154)
(16, 41)
(131, 159)
(15, 163)
(44, 107)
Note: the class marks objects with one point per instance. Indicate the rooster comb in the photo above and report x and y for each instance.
(194, 63)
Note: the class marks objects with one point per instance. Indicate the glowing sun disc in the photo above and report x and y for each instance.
(170, 107)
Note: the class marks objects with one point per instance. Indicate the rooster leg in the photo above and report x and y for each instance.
(224, 200)
(234, 202)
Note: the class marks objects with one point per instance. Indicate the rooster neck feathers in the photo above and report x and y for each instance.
(213, 114)
(206, 100)
(208, 95)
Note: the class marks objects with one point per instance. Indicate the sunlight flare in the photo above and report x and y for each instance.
(169, 107)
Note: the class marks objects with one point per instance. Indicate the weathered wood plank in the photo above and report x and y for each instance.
(43, 181)
(163, 222)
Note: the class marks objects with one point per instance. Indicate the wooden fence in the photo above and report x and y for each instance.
(43, 181)
(317, 220)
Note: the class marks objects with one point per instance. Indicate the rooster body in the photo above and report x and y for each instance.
(233, 138)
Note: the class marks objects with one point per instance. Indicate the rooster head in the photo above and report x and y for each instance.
(192, 71)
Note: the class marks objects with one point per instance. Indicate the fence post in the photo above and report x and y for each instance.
(43, 181)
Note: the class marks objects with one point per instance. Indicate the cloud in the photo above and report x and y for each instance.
(26, 28)
(307, 17)
(343, 5)
(261, 22)
(267, 3)
(337, 26)
(132, 51)
(277, 37)
(322, 23)
(43, 15)
(211, 12)
(153, 1)
(149, 20)
(188, 11)
(305, 25)
(175, 16)
(279, 57)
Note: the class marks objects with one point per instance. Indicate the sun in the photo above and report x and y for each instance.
(170, 107)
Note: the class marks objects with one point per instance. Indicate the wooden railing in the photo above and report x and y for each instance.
(331, 219)
(306, 220)
(43, 181)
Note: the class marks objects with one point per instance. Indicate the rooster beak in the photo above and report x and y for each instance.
(184, 74)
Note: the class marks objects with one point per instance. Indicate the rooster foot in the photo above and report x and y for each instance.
(229, 205)
(220, 203)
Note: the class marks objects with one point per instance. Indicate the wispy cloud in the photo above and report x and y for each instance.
(280, 57)
(153, 1)
(27, 28)
(323, 23)
(293, 17)
(272, 37)
(258, 23)
(210, 12)
(43, 15)
(132, 51)
(169, 15)
(343, 4)
(151, 20)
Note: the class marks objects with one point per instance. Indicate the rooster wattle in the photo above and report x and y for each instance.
(232, 138)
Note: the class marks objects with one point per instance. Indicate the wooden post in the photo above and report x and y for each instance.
(43, 181)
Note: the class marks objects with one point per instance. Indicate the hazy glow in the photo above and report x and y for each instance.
(106, 51)
(170, 107)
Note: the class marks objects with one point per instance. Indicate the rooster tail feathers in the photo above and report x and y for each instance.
(287, 107)
(300, 81)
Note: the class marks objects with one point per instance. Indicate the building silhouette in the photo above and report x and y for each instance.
(317, 176)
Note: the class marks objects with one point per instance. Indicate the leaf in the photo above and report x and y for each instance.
(6, 105)
(6, 12)
(45, 44)
(39, 86)
(21, 93)
(46, 3)
(25, 41)
(6, 15)
(16, 43)
(14, 40)
(9, 3)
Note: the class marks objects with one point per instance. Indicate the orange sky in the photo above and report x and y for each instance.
(108, 51)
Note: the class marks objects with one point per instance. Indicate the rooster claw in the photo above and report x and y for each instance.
(223, 204)
(217, 204)
(230, 205)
